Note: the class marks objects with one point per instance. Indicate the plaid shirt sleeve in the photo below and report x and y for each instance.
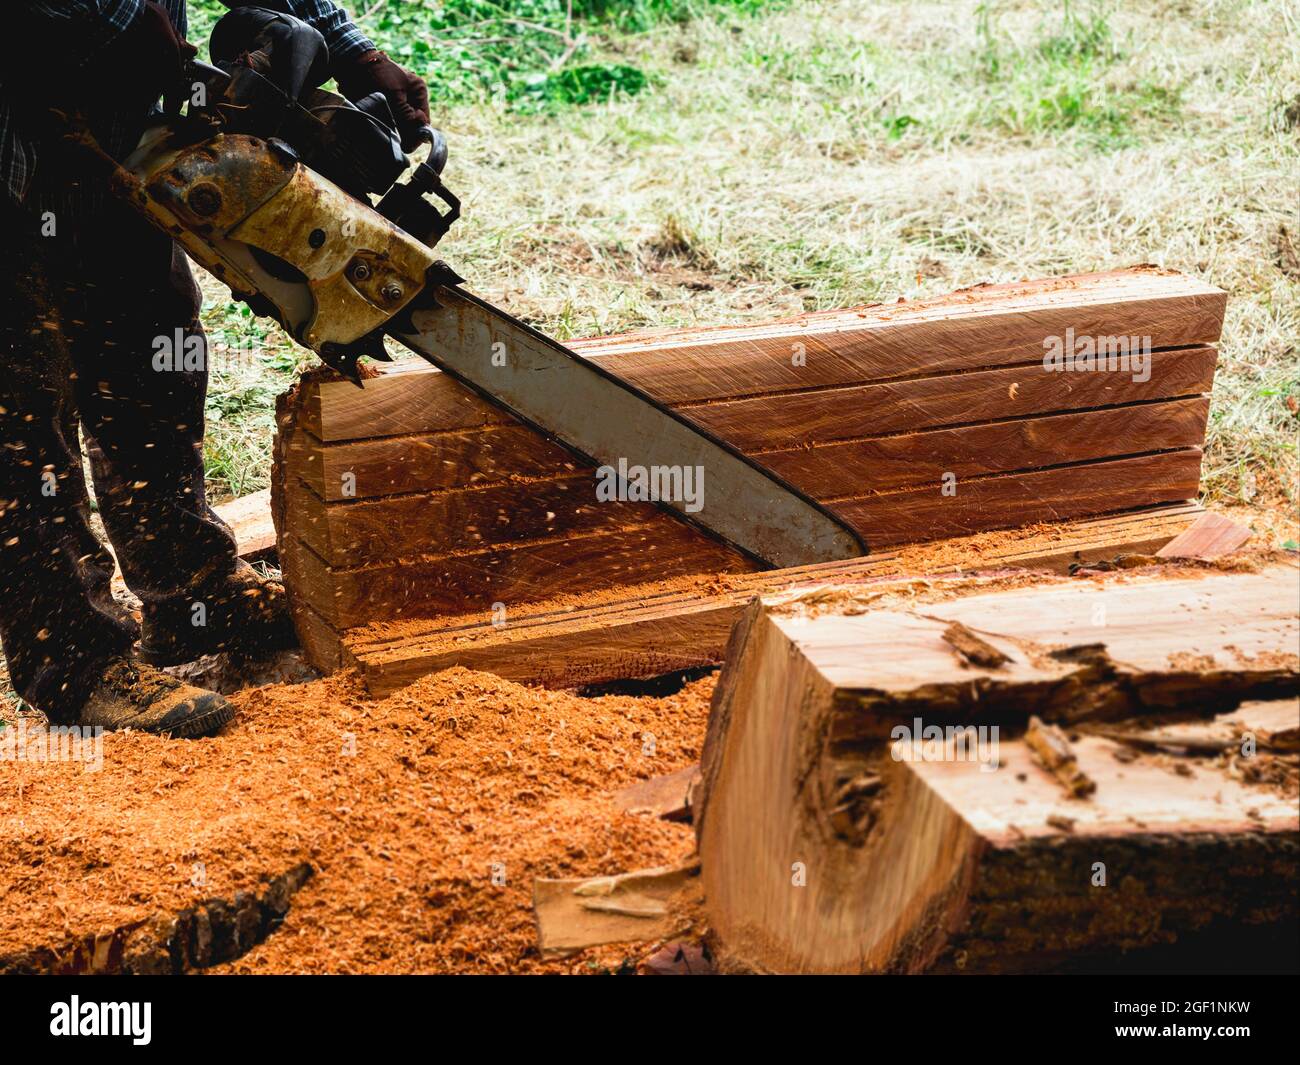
(82, 28)
(339, 31)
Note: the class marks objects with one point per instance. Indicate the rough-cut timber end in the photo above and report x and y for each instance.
(836, 837)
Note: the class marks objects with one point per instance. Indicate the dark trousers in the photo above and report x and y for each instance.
(81, 314)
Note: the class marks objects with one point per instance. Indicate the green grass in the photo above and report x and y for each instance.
(695, 162)
(534, 54)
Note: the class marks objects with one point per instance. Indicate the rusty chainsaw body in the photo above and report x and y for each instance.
(311, 213)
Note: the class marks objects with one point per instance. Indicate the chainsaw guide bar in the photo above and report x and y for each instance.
(615, 425)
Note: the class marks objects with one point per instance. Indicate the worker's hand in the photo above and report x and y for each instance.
(407, 95)
(281, 47)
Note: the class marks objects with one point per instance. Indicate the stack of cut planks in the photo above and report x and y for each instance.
(414, 498)
(1017, 780)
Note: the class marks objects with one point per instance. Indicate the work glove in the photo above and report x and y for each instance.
(283, 48)
(407, 95)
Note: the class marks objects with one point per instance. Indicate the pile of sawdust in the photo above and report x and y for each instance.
(426, 815)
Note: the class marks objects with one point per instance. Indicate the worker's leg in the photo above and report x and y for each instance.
(141, 407)
(141, 364)
(58, 622)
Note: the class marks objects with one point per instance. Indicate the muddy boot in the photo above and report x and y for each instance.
(246, 616)
(135, 696)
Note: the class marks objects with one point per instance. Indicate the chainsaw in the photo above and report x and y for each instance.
(311, 212)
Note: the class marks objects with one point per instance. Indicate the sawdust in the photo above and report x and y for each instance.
(426, 815)
(968, 551)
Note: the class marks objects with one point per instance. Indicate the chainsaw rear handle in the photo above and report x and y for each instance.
(437, 147)
(407, 203)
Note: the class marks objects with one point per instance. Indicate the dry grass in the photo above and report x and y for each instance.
(843, 152)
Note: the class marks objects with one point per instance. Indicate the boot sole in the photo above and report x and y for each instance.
(203, 725)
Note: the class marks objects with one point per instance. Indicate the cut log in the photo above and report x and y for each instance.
(412, 497)
(870, 801)
(653, 630)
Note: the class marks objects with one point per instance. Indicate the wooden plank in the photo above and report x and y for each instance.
(801, 419)
(364, 469)
(446, 523)
(652, 631)
(249, 518)
(637, 907)
(880, 464)
(979, 328)
(532, 571)
(1211, 536)
(1024, 498)
(868, 747)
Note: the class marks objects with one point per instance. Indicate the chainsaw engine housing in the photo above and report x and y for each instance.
(327, 265)
(273, 196)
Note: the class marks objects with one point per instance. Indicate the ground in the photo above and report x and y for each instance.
(425, 816)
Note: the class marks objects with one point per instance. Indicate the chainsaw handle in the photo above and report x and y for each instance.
(437, 147)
